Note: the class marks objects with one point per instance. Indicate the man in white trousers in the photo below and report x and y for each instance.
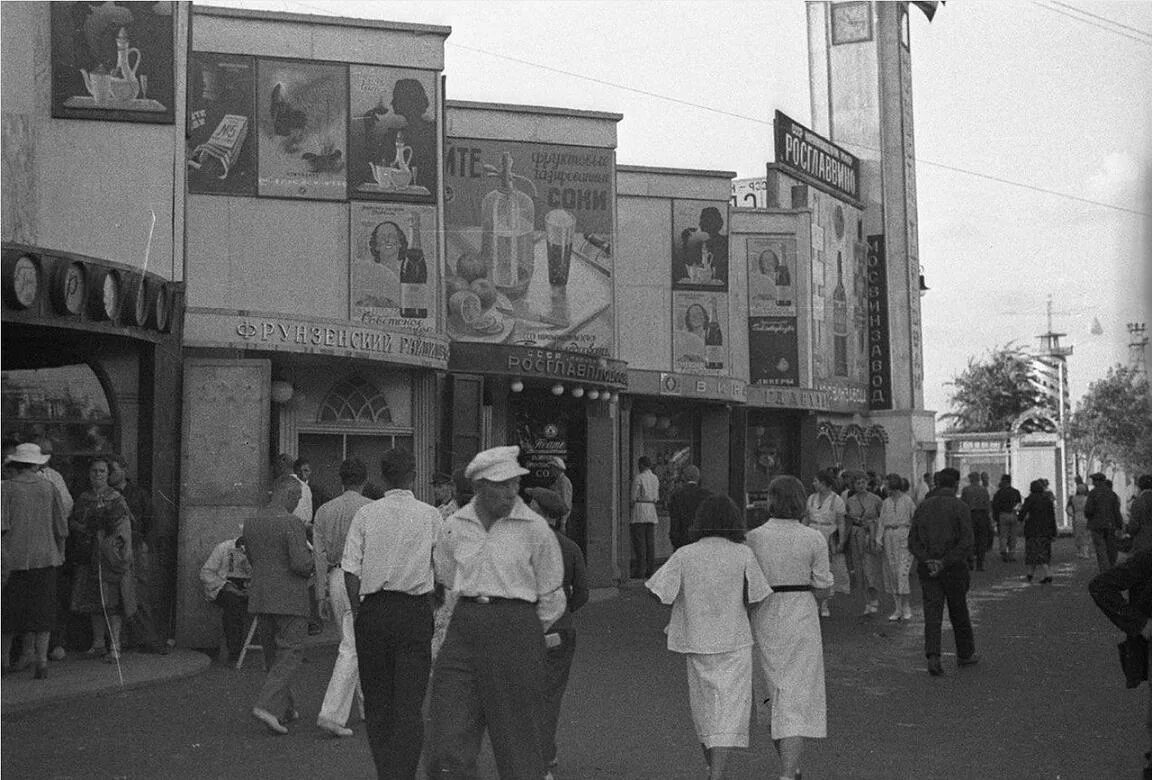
(331, 530)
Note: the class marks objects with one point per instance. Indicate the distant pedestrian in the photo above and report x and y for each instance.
(561, 637)
(1132, 615)
(461, 495)
(710, 583)
(143, 623)
(895, 522)
(506, 565)
(1038, 519)
(1080, 532)
(388, 574)
(1102, 511)
(278, 597)
(1140, 515)
(561, 485)
(330, 532)
(1005, 504)
(825, 513)
(786, 625)
(682, 506)
(979, 502)
(304, 509)
(64, 571)
(34, 530)
(861, 519)
(442, 491)
(941, 541)
(923, 488)
(642, 528)
(225, 577)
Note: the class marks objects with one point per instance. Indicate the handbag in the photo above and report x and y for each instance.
(1134, 659)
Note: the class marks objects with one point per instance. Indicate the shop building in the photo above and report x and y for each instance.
(92, 261)
(314, 206)
(530, 234)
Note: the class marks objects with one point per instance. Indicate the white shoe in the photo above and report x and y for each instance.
(894, 616)
(824, 611)
(334, 728)
(907, 613)
(269, 720)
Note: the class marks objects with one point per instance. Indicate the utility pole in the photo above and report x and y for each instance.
(1137, 347)
(1051, 367)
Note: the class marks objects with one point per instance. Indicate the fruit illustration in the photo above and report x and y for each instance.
(465, 305)
(486, 292)
(470, 267)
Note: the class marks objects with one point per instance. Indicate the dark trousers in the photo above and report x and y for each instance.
(643, 549)
(557, 665)
(982, 531)
(489, 676)
(394, 656)
(949, 586)
(1105, 544)
(234, 618)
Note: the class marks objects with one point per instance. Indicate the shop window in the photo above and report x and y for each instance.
(66, 405)
(355, 400)
(671, 440)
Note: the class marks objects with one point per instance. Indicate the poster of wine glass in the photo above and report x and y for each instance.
(113, 61)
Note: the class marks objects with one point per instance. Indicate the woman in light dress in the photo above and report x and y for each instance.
(826, 511)
(1075, 510)
(895, 520)
(786, 626)
(709, 584)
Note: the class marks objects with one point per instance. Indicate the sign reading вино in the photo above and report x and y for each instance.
(815, 159)
(879, 350)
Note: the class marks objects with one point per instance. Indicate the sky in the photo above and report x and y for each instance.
(1033, 127)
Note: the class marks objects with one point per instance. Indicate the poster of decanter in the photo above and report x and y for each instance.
(302, 110)
(113, 61)
(392, 134)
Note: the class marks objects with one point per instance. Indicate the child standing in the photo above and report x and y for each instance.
(709, 584)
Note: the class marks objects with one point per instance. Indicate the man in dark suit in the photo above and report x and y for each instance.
(682, 506)
(278, 597)
(1102, 511)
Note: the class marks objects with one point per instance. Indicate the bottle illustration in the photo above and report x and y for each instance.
(414, 276)
(714, 342)
(783, 282)
(839, 322)
(507, 219)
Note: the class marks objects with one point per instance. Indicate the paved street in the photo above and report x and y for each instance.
(1047, 702)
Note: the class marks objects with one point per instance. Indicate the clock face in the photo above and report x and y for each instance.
(75, 288)
(111, 295)
(26, 281)
(851, 22)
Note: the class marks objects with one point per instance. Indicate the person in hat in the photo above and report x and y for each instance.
(388, 574)
(34, 530)
(561, 636)
(505, 563)
(562, 486)
(1102, 511)
(442, 492)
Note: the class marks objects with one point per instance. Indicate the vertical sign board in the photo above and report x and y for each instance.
(879, 347)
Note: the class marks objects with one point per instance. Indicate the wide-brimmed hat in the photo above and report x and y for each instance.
(28, 453)
(498, 464)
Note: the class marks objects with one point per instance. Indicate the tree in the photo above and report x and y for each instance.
(990, 394)
(1112, 424)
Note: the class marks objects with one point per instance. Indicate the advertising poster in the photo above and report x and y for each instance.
(221, 124)
(303, 113)
(773, 351)
(700, 332)
(528, 244)
(113, 61)
(771, 267)
(392, 270)
(879, 347)
(392, 134)
(699, 245)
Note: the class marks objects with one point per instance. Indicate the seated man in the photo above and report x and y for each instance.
(225, 577)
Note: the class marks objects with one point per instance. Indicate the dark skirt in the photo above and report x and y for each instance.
(1037, 550)
(29, 601)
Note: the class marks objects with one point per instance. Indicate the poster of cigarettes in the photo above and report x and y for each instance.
(221, 148)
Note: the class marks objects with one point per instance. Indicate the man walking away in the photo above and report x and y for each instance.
(329, 533)
(1140, 516)
(278, 597)
(975, 495)
(387, 567)
(941, 541)
(1005, 504)
(645, 494)
(682, 506)
(1102, 511)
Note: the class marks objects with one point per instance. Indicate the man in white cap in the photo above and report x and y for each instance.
(561, 485)
(505, 562)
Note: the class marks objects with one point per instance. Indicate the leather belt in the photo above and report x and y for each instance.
(790, 588)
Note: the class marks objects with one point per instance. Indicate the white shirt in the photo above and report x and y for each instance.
(517, 558)
(645, 494)
(226, 562)
(389, 545)
(57, 480)
(303, 508)
(704, 583)
(333, 519)
(824, 511)
(791, 554)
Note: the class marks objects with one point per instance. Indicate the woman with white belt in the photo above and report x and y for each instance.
(826, 511)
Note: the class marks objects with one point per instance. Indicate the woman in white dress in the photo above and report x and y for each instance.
(786, 626)
(895, 520)
(826, 511)
(709, 584)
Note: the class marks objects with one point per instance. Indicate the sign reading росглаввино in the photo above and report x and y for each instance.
(815, 159)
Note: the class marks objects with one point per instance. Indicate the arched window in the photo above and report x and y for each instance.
(355, 400)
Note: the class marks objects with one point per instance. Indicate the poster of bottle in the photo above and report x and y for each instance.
(303, 114)
(221, 151)
(113, 61)
(771, 266)
(699, 245)
(392, 134)
(773, 351)
(700, 335)
(528, 244)
(392, 268)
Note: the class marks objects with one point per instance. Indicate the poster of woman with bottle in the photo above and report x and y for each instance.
(699, 245)
(392, 134)
(699, 332)
(771, 263)
(390, 278)
(528, 244)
